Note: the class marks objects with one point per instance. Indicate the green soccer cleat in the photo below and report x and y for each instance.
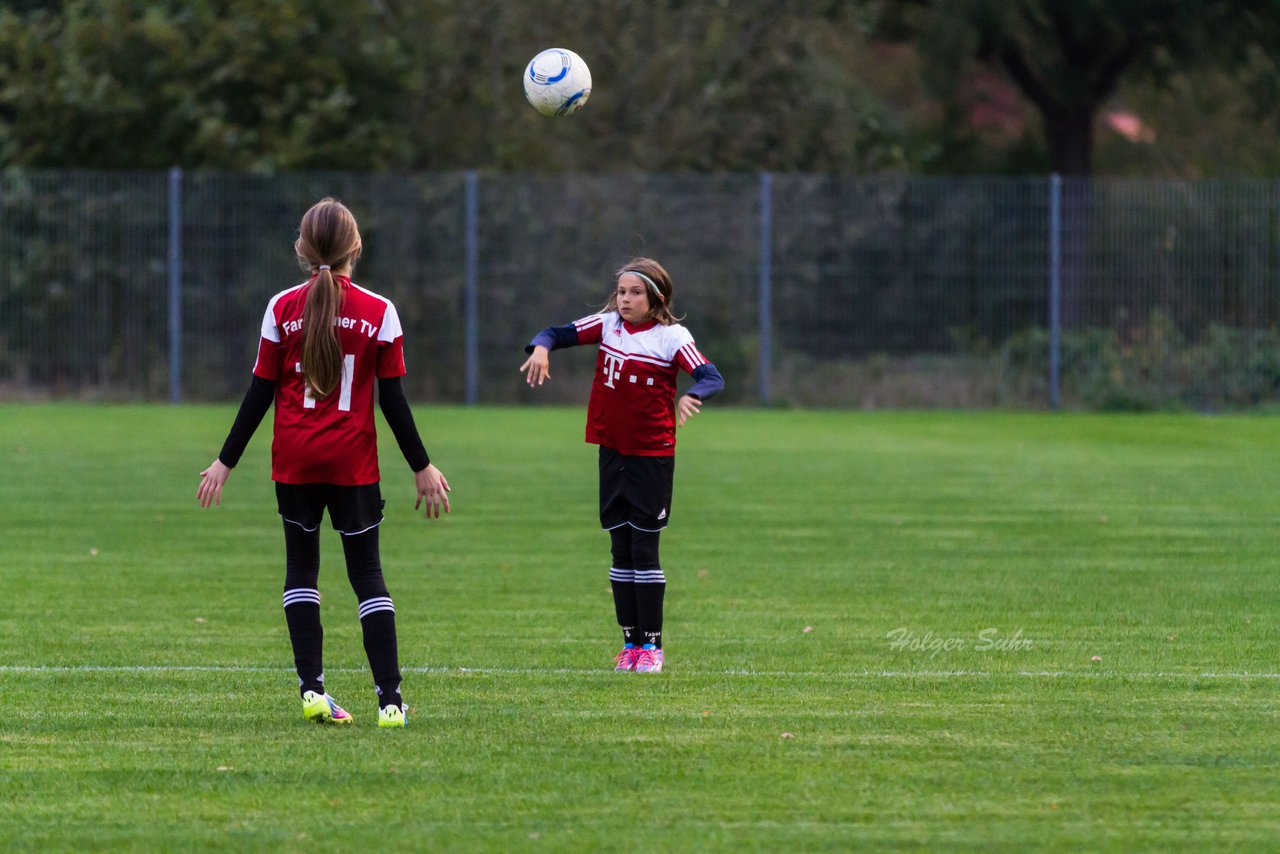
(391, 716)
(323, 709)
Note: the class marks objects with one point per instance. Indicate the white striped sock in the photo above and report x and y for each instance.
(301, 596)
(378, 603)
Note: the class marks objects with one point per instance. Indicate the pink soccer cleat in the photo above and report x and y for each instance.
(625, 660)
(648, 659)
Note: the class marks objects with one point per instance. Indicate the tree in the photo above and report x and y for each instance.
(231, 84)
(269, 85)
(717, 85)
(679, 87)
(1067, 57)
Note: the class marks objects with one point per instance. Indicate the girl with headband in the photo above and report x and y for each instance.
(631, 417)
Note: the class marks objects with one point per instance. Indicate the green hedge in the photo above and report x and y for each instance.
(1153, 365)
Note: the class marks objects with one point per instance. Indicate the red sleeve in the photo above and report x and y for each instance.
(391, 358)
(590, 329)
(689, 357)
(268, 364)
(270, 349)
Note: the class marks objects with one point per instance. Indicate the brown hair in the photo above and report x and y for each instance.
(327, 238)
(661, 304)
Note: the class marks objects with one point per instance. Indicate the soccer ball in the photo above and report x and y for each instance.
(557, 82)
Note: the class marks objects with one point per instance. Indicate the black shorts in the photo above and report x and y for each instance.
(635, 491)
(352, 509)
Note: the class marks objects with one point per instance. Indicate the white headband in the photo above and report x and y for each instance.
(652, 284)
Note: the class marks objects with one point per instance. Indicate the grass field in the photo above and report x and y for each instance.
(909, 631)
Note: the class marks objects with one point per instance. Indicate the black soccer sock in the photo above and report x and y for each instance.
(307, 638)
(380, 646)
(650, 584)
(377, 613)
(622, 580)
(649, 598)
(302, 605)
(624, 605)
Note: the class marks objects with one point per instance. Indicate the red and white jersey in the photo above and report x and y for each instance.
(332, 440)
(632, 406)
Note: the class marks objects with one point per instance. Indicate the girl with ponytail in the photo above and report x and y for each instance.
(325, 344)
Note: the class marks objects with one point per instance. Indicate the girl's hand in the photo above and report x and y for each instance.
(688, 407)
(212, 479)
(537, 367)
(434, 488)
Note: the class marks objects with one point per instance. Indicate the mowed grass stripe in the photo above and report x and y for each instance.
(683, 672)
(149, 704)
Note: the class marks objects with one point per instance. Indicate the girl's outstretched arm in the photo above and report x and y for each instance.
(211, 481)
(537, 368)
(687, 407)
(434, 489)
(395, 408)
(257, 400)
(428, 480)
(707, 382)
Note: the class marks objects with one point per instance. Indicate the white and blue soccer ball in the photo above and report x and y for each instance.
(557, 82)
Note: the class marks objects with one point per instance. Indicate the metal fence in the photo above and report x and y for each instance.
(804, 289)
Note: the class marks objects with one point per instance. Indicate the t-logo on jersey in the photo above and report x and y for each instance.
(632, 397)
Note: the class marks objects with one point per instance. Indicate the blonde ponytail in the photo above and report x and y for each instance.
(328, 237)
(321, 355)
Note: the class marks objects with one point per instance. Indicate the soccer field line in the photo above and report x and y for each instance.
(572, 671)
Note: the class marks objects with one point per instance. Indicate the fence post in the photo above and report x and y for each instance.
(175, 285)
(1055, 289)
(766, 284)
(470, 289)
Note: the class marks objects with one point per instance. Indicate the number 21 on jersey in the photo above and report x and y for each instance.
(344, 392)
